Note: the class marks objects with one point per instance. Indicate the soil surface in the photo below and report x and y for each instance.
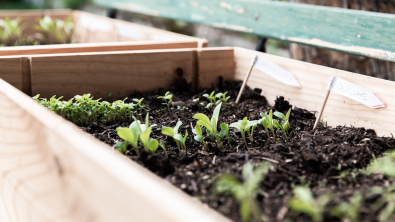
(316, 159)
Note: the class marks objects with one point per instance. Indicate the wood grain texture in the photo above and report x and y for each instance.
(95, 47)
(52, 171)
(314, 80)
(11, 71)
(213, 63)
(357, 32)
(118, 73)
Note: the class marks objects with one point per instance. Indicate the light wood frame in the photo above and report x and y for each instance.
(94, 33)
(52, 171)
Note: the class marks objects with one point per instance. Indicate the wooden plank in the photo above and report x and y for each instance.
(118, 73)
(358, 32)
(314, 80)
(95, 47)
(99, 28)
(213, 63)
(52, 171)
(11, 71)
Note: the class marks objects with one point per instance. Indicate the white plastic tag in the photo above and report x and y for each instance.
(129, 32)
(93, 24)
(276, 72)
(355, 92)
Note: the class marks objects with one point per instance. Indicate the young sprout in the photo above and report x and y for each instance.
(284, 126)
(130, 136)
(225, 128)
(304, 202)
(385, 203)
(11, 31)
(268, 123)
(139, 132)
(348, 211)
(62, 30)
(244, 192)
(163, 146)
(211, 125)
(384, 165)
(140, 107)
(199, 135)
(180, 140)
(167, 98)
(211, 97)
(244, 126)
(222, 97)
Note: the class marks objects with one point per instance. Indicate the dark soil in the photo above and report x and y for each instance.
(308, 158)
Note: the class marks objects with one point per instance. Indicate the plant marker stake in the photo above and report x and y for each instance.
(324, 103)
(246, 78)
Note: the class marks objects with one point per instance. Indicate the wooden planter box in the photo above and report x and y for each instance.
(51, 170)
(97, 33)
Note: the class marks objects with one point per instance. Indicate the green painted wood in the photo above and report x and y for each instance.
(358, 32)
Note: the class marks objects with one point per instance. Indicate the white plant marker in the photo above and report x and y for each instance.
(351, 91)
(271, 70)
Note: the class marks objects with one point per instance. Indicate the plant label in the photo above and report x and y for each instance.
(93, 24)
(129, 32)
(276, 72)
(355, 92)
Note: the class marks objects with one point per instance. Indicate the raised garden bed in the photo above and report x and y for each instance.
(57, 158)
(97, 33)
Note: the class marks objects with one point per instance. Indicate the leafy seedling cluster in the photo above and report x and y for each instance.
(84, 110)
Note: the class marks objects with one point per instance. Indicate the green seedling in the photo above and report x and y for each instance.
(167, 98)
(140, 107)
(384, 165)
(211, 125)
(199, 135)
(163, 146)
(211, 97)
(284, 126)
(348, 211)
(84, 110)
(139, 132)
(385, 203)
(244, 126)
(179, 139)
(222, 97)
(268, 123)
(303, 202)
(244, 192)
(11, 31)
(61, 30)
(225, 128)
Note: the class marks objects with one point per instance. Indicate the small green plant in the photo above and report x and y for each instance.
(167, 98)
(199, 135)
(11, 31)
(61, 30)
(385, 203)
(135, 133)
(211, 125)
(284, 126)
(225, 128)
(84, 110)
(140, 107)
(304, 202)
(179, 139)
(384, 165)
(348, 211)
(244, 192)
(245, 126)
(268, 123)
(163, 146)
(215, 99)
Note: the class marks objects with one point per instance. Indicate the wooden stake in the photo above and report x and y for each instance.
(322, 110)
(246, 78)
